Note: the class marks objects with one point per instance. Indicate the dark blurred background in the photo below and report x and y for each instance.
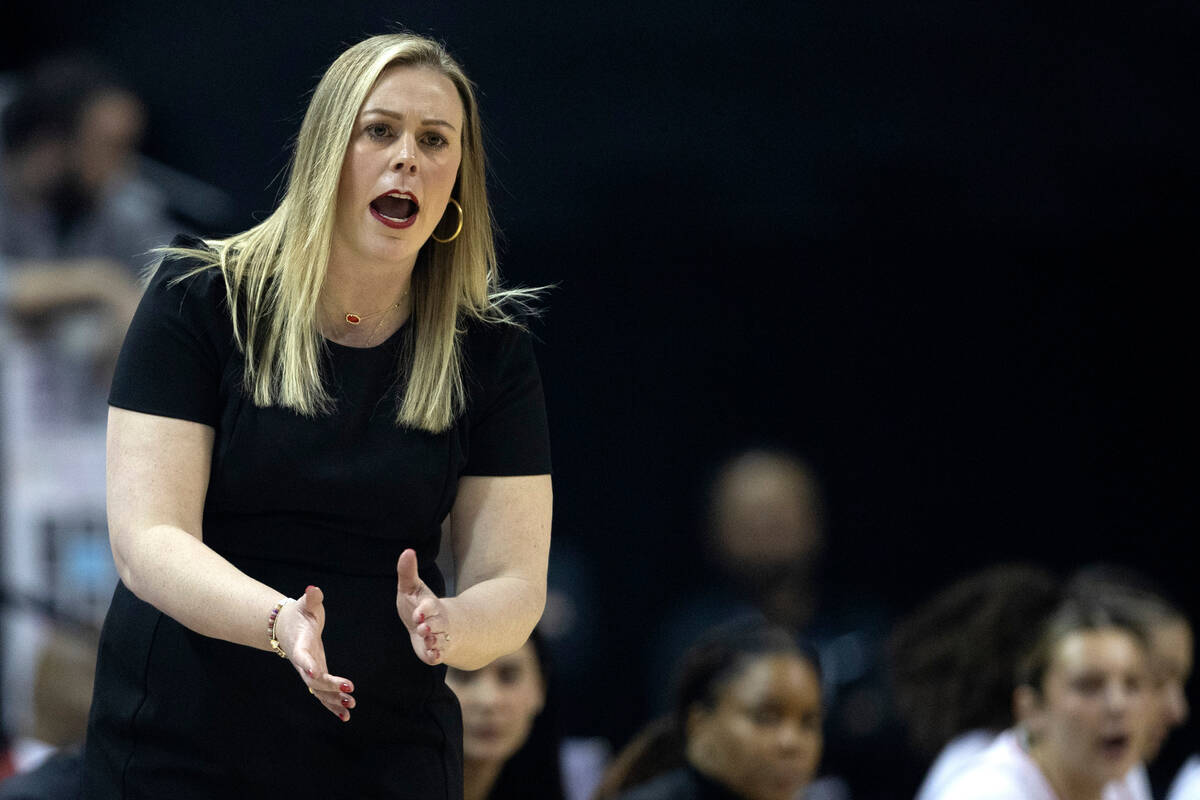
(940, 249)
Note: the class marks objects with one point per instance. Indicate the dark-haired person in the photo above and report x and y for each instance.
(1083, 706)
(297, 412)
(746, 723)
(954, 660)
(510, 749)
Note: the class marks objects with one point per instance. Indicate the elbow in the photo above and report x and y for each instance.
(120, 545)
(536, 608)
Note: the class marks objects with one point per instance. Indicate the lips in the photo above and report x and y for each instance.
(395, 209)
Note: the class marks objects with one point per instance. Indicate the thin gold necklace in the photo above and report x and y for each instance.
(371, 338)
(355, 319)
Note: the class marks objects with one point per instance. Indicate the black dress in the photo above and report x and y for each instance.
(331, 501)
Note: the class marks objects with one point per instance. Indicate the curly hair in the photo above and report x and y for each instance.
(954, 659)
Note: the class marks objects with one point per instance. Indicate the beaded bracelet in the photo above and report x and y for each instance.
(271, 626)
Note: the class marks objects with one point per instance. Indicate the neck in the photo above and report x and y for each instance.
(365, 291)
(1066, 785)
(378, 298)
(479, 777)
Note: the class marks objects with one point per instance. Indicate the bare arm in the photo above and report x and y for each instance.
(158, 470)
(41, 287)
(500, 535)
(157, 478)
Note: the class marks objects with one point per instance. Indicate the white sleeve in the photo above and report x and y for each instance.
(1187, 783)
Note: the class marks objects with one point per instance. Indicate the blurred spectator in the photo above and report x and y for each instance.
(511, 747)
(70, 188)
(47, 762)
(746, 723)
(1171, 644)
(76, 223)
(1081, 704)
(765, 529)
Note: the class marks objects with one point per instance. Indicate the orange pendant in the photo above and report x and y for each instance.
(353, 319)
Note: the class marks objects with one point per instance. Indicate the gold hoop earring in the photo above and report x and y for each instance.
(457, 230)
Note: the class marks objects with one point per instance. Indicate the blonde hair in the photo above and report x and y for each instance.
(274, 271)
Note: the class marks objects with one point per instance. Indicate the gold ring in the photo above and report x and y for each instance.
(310, 690)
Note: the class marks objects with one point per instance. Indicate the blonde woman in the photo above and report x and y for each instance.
(298, 413)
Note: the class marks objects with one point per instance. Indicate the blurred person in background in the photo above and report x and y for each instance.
(511, 748)
(1171, 647)
(746, 723)
(765, 523)
(70, 184)
(1082, 705)
(50, 757)
(77, 223)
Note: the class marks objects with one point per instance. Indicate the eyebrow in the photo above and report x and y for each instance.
(397, 115)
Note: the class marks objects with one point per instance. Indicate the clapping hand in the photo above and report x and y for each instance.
(299, 628)
(422, 612)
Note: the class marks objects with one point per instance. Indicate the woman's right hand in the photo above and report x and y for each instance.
(298, 629)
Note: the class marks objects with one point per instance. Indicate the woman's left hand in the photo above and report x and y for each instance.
(422, 612)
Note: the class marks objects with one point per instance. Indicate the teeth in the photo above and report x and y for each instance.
(394, 219)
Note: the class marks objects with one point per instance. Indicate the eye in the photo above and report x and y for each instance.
(435, 140)
(378, 130)
(766, 716)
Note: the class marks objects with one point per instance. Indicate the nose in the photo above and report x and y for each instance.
(1120, 698)
(404, 158)
(791, 738)
(487, 693)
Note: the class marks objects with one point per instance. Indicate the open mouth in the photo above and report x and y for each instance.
(1115, 746)
(395, 209)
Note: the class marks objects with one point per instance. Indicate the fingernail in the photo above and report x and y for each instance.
(422, 619)
(308, 671)
(310, 586)
(345, 715)
(346, 702)
(347, 688)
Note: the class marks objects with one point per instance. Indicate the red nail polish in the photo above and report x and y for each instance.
(422, 618)
(346, 702)
(347, 688)
(310, 586)
(309, 671)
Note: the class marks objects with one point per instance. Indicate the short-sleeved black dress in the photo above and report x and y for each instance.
(331, 501)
